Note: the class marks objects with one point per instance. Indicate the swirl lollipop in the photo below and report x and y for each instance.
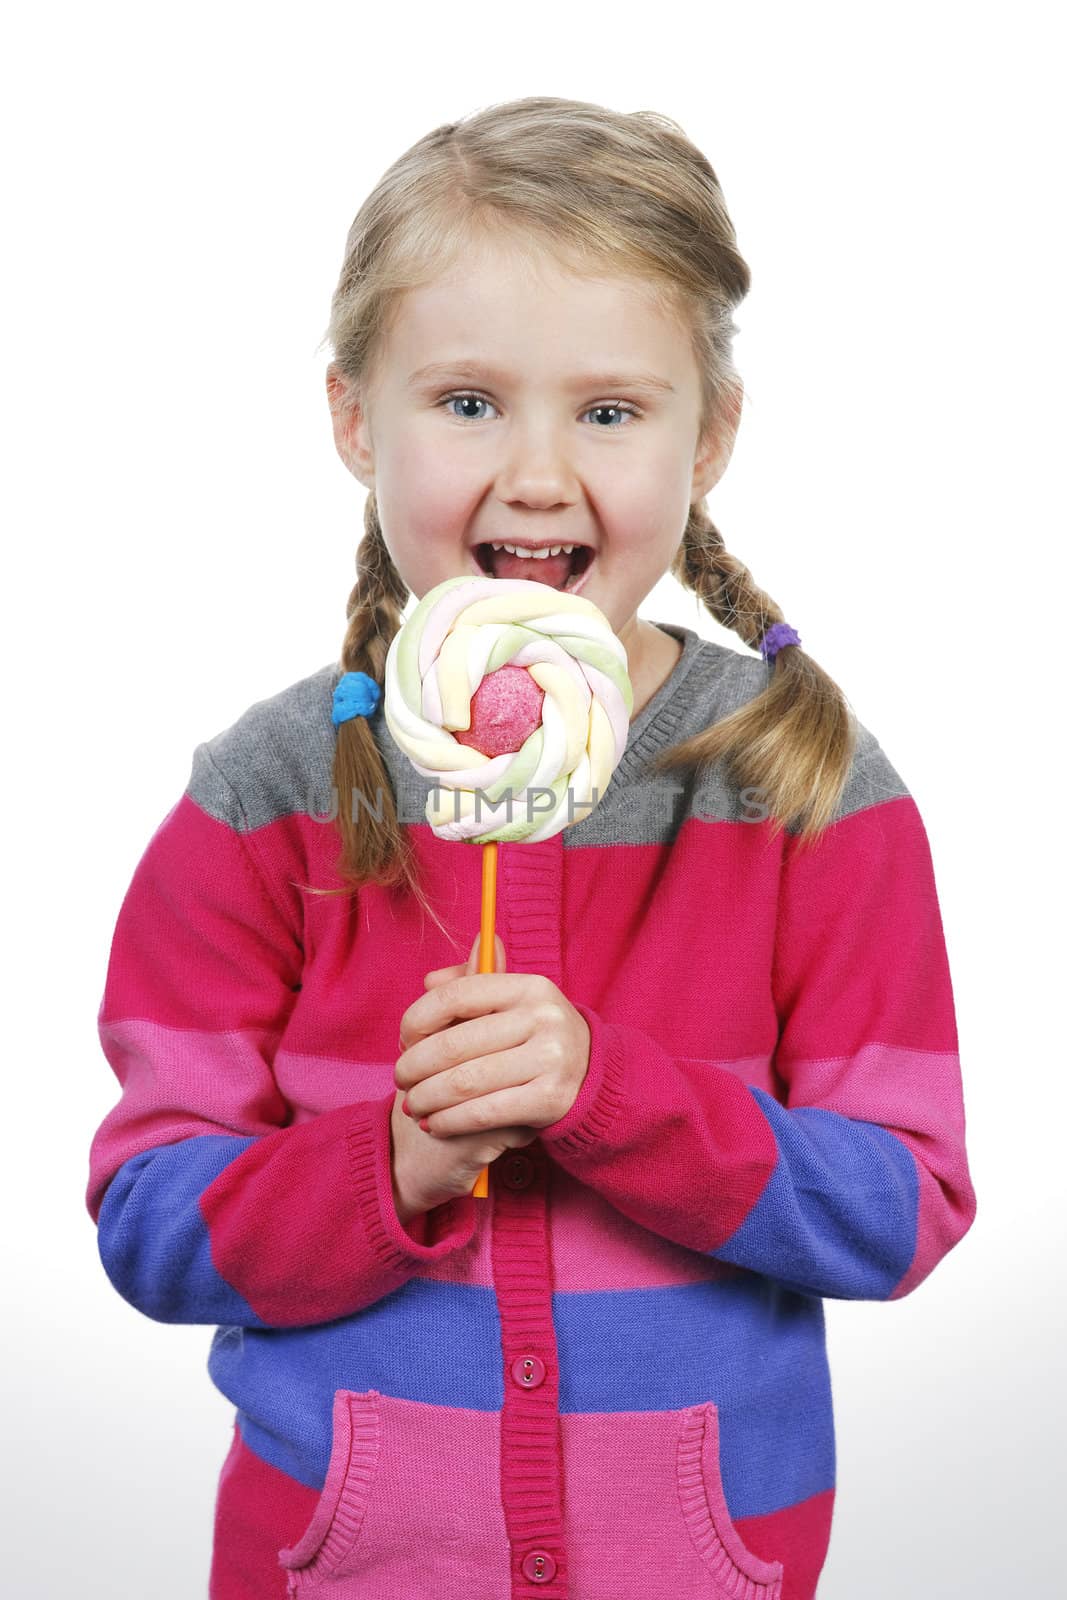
(509, 694)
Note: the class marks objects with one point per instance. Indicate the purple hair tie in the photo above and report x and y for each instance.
(776, 638)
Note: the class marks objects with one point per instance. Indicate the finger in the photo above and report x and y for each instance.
(471, 995)
(499, 955)
(441, 975)
(463, 1062)
(487, 1114)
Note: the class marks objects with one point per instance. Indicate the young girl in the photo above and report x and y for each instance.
(715, 1074)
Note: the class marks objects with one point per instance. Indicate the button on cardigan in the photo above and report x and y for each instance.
(608, 1380)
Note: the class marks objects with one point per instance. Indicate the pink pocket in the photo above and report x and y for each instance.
(411, 1497)
(645, 1514)
(412, 1500)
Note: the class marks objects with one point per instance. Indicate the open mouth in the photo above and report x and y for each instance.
(565, 570)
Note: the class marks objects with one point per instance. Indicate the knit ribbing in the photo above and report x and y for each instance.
(531, 1484)
(656, 724)
(334, 1529)
(740, 1573)
(530, 896)
(454, 1222)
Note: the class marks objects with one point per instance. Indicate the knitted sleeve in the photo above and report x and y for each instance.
(211, 1205)
(853, 1183)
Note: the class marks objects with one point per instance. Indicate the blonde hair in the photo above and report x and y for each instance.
(595, 188)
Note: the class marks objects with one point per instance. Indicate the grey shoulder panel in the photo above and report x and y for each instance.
(872, 777)
(276, 758)
(733, 680)
(648, 806)
(721, 681)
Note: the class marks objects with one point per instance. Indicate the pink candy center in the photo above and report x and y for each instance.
(505, 710)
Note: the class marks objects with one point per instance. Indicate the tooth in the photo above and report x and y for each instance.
(534, 555)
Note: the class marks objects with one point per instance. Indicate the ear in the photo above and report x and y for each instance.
(351, 433)
(718, 444)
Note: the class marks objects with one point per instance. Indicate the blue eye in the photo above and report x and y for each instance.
(475, 399)
(619, 411)
(480, 399)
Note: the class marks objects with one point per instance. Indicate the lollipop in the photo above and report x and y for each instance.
(515, 699)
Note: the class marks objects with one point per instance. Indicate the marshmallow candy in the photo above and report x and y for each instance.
(514, 697)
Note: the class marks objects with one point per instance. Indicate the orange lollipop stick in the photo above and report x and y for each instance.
(495, 664)
(486, 953)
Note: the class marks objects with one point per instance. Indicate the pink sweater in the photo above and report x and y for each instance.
(608, 1380)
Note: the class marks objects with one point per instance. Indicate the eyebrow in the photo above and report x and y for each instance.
(473, 371)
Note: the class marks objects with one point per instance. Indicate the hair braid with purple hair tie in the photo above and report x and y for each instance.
(776, 638)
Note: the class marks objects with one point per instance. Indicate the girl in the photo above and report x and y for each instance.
(716, 1071)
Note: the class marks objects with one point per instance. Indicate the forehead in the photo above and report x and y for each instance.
(524, 310)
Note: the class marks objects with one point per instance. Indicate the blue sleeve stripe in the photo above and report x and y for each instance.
(839, 1216)
(152, 1238)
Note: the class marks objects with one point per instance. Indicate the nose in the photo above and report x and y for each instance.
(538, 470)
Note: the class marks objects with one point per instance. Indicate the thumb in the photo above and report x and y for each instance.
(500, 963)
(464, 968)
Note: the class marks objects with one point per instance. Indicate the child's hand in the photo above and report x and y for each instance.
(488, 1050)
(427, 1171)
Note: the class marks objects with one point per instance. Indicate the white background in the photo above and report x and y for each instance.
(180, 543)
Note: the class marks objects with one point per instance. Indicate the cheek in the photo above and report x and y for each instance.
(650, 493)
(424, 503)
(648, 528)
(422, 475)
(655, 512)
(405, 472)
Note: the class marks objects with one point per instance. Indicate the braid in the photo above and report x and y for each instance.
(373, 849)
(375, 604)
(795, 740)
(723, 582)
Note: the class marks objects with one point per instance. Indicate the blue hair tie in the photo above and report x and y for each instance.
(356, 695)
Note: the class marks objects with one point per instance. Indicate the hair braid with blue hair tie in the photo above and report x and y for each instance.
(356, 695)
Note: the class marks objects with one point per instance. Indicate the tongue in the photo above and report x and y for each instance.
(553, 570)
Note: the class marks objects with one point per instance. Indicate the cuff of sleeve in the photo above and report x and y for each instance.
(597, 1101)
(370, 1162)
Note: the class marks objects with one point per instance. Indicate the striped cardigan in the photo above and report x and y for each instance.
(608, 1380)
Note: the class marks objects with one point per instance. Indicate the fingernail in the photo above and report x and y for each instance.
(404, 1107)
(424, 1124)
